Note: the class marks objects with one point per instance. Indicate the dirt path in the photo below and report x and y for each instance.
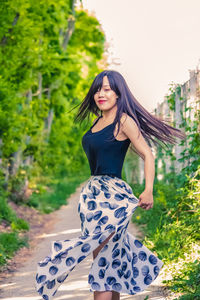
(17, 283)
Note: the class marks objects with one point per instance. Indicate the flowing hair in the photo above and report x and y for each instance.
(153, 128)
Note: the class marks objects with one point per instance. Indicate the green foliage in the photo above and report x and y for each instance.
(172, 223)
(8, 215)
(172, 227)
(40, 76)
(175, 89)
(16, 186)
(187, 281)
(6, 212)
(20, 224)
(9, 244)
(49, 55)
(58, 190)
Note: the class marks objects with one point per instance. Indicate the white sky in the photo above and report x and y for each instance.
(156, 42)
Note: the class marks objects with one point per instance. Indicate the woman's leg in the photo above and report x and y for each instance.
(112, 295)
(96, 251)
(103, 295)
(107, 295)
(115, 295)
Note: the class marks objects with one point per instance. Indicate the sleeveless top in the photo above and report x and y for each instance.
(105, 157)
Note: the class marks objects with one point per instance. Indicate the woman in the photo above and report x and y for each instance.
(122, 264)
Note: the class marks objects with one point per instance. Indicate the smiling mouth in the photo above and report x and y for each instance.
(101, 101)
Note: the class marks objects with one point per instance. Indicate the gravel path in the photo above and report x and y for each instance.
(64, 224)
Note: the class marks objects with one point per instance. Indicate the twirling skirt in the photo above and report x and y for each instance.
(123, 265)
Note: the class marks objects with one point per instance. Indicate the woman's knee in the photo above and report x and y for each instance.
(115, 295)
(107, 295)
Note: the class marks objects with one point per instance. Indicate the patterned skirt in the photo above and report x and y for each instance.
(123, 264)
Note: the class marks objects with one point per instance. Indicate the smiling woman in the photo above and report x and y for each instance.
(122, 264)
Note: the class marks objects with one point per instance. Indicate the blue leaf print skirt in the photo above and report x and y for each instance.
(123, 265)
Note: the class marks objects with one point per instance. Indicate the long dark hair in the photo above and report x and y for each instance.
(149, 125)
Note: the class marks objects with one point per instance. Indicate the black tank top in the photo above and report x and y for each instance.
(105, 157)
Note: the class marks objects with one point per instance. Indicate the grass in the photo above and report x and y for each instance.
(56, 193)
(9, 244)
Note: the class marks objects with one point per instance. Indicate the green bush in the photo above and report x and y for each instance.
(9, 244)
(9, 215)
(20, 224)
(173, 222)
(6, 212)
(172, 226)
(187, 281)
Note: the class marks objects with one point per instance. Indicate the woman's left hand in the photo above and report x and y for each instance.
(146, 200)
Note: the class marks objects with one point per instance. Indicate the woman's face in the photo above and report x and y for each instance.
(105, 98)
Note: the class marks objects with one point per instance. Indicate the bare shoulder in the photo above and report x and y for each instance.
(131, 130)
(128, 126)
(127, 121)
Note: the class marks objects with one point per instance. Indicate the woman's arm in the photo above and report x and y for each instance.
(131, 130)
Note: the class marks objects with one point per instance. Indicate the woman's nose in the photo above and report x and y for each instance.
(101, 93)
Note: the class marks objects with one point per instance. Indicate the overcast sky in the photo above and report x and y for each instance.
(156, 42)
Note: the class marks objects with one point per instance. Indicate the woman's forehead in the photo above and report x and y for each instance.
(105, 81)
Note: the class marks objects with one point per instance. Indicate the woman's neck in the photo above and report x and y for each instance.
(109, 115)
